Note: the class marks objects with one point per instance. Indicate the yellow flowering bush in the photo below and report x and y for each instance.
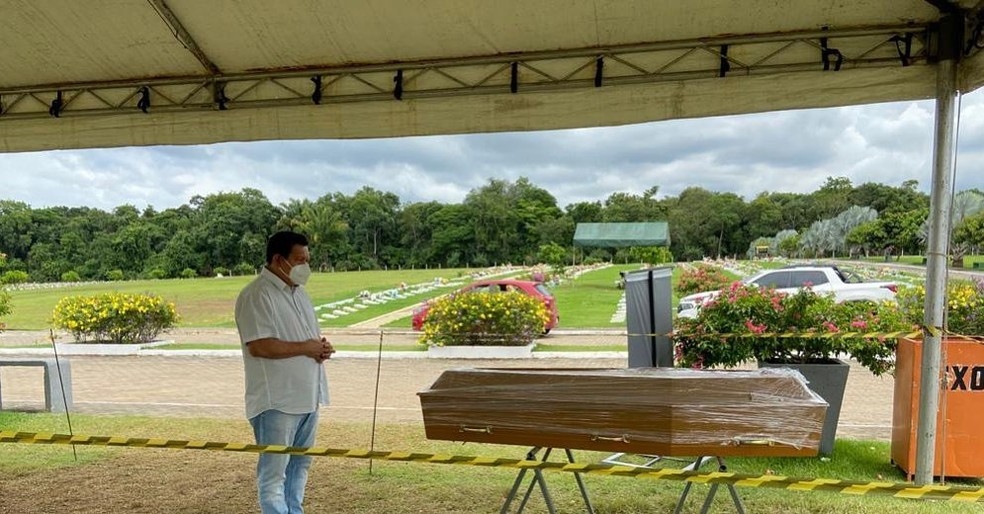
(964, 306)
(484, 319)
(114, 317)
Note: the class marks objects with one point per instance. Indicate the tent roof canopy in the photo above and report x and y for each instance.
(142, 72)
(620, 235)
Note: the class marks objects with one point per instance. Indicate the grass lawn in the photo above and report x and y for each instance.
(209, 302)
(159, 481)
(590, 301)
(404, 322)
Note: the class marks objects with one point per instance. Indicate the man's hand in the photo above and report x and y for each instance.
(326, 350)
(271, 348)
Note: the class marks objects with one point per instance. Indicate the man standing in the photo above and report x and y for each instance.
(283, 353)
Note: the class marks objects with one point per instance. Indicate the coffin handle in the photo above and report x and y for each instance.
(620, 439)
(480, 430)
(744, 441)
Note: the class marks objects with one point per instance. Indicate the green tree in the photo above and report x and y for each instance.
(887, 199)
(585, 212)
(417, 233)
(453, 239)
(16, 229)
(372, 216)
(628, 207)
(970, 232)
(323, 223)
(763, 217)
(232, 227)
(833, 197)
(552, 254)
(495, 221)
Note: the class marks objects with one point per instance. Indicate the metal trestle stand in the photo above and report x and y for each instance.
(710, 494)
(539, 480)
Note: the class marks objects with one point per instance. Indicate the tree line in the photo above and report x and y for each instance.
(500, 222)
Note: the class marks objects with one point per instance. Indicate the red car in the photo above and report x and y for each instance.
(534, 289)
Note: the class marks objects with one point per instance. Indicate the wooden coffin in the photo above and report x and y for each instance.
(652, 411)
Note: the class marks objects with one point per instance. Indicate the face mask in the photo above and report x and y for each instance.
(300, 274)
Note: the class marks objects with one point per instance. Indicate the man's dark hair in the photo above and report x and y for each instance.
(282, 243)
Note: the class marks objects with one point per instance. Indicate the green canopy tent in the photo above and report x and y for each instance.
(622, 235)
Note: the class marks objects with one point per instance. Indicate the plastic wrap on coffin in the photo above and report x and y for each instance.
(658, 411)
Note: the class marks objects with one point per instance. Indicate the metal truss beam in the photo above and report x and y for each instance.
(183, 35)
(721, 57)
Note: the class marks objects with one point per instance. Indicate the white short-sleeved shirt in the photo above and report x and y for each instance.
(268, 307)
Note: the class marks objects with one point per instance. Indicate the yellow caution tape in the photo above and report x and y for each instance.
(806, 334)
(809, 334)
(898, 490)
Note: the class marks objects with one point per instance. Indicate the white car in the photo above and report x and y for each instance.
(844, 286)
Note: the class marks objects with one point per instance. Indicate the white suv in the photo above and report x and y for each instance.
(844, 286)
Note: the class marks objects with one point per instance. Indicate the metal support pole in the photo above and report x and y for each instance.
(937, 249)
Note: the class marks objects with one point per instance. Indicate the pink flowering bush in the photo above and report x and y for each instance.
(701, 278)
(745, 322)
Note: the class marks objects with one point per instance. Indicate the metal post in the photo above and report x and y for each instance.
(937, 249)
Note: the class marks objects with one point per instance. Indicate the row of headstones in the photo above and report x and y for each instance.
(365, 299)
(619, 316)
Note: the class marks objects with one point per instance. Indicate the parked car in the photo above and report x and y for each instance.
(845, 286)
(534, 289)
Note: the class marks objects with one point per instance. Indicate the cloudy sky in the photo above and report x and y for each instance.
(787, 151)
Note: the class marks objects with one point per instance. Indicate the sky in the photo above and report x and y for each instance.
(791, 151)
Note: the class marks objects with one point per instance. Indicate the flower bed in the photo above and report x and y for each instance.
(484, 319)
(744, 323)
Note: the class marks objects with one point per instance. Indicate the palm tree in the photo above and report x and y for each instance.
(845, 222)
(782, 235)
(965, 204)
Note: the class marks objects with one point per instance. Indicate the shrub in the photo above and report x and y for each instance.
(553, 254)
(876, 354)
(484, 319)
(701, 278)
(741, 324)
(114, 317)
(244, 269)
(14, 277)
(4, 306)
(188, 273)
(114, 275)
(71, 276)
(157, 274)
(964, 306)
(652, 255)
(220, 271)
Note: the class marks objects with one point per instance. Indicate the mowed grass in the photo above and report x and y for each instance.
(146, 480)
(209, 302)
(591, 299)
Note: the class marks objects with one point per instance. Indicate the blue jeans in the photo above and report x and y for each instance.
(280, 479)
